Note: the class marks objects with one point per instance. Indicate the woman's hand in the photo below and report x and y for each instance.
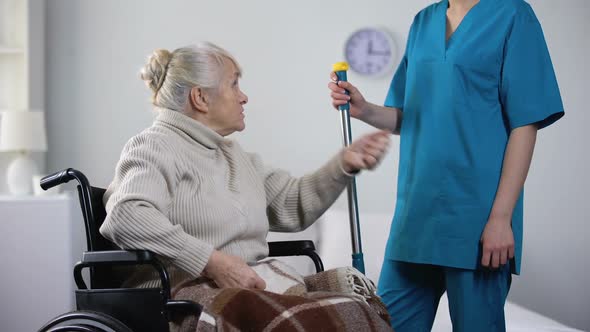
(358, 104)
(231, 271)
(497, 243)
(365, 152)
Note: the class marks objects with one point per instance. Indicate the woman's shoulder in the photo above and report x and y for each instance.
(429, 15)
(515, 9)
(152, 138)
(431, 8)
(428, 12)
(506, 7)
(514, 4)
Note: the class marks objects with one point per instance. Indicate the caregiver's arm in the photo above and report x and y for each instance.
(381, 117)
(497, 238)
(386, 118)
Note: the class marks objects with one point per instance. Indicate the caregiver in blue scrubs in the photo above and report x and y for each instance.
(475, 85)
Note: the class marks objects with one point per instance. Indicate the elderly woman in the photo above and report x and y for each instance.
(198, 200)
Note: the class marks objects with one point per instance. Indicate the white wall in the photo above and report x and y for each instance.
(95, 102)
(556, 268)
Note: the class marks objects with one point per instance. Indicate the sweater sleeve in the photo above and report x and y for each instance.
(137, 202)
(293, 204)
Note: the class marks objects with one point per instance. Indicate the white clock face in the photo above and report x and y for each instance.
(370, 51)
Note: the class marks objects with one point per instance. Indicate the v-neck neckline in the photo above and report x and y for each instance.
(467, 16)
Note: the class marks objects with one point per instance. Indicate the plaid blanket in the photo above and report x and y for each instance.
(340, 299)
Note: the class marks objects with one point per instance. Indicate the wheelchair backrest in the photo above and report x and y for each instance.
(94, 214)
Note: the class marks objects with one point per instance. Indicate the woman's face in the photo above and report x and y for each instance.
(226, 106)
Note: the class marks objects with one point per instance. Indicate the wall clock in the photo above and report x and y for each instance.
(370, 51)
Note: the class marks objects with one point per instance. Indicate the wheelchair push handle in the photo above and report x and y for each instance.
(64, 176)
(55, 179)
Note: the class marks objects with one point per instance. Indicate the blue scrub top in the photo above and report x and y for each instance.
(460, 100)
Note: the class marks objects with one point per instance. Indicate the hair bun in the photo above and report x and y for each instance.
(154, 72)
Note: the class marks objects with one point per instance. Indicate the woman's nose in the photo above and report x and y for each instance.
(243, 99)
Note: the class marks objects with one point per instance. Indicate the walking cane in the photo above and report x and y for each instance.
(340, 69)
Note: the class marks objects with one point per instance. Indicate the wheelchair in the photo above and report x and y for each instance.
(105, 306)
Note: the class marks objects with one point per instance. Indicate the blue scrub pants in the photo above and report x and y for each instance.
(411, 293)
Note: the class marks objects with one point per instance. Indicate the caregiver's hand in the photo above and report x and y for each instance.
(365, 152)
(231, 271)
(497, 243)
(358, 104)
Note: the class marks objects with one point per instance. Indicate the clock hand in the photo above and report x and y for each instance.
(380, 53)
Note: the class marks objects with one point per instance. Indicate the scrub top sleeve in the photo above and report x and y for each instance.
(529, 92)
(397, 88)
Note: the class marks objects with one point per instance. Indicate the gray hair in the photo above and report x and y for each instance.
(171, 76)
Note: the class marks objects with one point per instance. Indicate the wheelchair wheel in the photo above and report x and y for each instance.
(84, 321)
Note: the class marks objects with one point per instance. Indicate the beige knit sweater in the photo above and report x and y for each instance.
(181, 190)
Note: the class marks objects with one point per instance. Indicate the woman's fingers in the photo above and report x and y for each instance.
(231, 271)
(333, 76)
(372, 149)
(259, 283)
(334, 87)
(486, 257)
(367, 151)
(495, 259)
(338, 96)
(339, 88)
(370, 161)
(247, 278)
(377, 144)
(380, 144)
(503, 256)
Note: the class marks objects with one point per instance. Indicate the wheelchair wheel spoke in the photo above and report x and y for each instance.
(84, 321)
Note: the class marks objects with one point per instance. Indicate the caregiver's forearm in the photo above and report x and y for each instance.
(517, 160)
(386, 118)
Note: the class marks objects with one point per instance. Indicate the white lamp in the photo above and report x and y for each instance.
(22, 132)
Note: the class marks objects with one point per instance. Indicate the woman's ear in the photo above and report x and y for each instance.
(199, 99)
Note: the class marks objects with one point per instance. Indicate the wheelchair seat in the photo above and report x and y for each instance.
(105, 305)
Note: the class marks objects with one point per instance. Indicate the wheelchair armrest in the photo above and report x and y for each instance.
(296, 248)
(118, 257)
(121, 257)
(289, 248)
